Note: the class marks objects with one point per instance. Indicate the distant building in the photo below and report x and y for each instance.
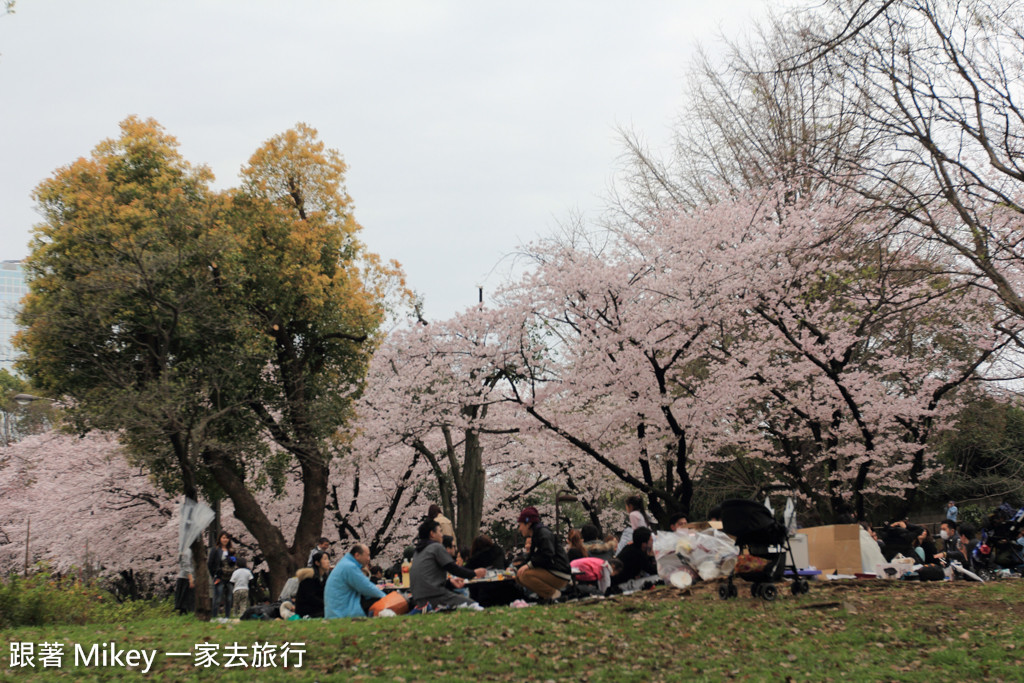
(12, 289)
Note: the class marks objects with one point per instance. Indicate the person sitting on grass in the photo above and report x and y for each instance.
(546, 571)
(899, 539)
(489, 555)
(576, 548)
(348, 593)
(594, 575)
(677, 521)
(924, 548)
(323, 544)
(519, 558)
(485, 553)
(595, 545)
(950, 540)
(449, 544)
(967, 545)
(637, 560)
(309, 598)
(431, 566)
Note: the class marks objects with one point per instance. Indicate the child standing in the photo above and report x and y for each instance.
(240, 579)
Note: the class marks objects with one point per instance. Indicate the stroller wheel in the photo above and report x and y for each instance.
(755, 590)
(733, 591)
(800, 586)
(723, 592)
(769, 591)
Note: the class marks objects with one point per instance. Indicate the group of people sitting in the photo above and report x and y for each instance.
(439, 572)
(957, 542)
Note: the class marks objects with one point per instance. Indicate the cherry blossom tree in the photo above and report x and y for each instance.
(606, 347)
(81, 506)
(935, 84)
(434, 403)
(85, 506)
(859, 347)
(744, 324)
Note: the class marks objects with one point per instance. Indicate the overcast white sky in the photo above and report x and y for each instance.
(468, 127)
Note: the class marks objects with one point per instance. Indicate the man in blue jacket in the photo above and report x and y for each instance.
(348, 589)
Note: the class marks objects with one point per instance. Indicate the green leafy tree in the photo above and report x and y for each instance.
(983, 458)
(221, 335)
(121, 308)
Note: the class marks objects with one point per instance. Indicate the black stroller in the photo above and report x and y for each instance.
(755, 529)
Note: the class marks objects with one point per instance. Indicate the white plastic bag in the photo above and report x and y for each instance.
(711, 552)
(684, 556)
(671, 567)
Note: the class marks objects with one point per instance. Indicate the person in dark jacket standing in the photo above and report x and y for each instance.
(547, 569)
(218, 562)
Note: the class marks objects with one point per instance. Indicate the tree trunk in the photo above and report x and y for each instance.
(470, 491)
(200, 573)
(201, 577)
(282, 560)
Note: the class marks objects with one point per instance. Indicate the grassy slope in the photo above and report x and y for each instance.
(841, 631)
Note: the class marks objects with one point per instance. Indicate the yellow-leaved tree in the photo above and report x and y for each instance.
(224, 336)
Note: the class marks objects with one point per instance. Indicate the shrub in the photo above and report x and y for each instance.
(43, 599)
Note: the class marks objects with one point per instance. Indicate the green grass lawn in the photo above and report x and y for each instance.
(840, 631)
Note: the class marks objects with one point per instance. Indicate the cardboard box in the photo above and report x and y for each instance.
(835, 547)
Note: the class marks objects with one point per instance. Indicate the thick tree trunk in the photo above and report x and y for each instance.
(470, 491)
(282, 560)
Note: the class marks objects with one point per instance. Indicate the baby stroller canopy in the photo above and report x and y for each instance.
(750, 523)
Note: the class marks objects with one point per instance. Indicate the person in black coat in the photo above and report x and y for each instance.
(636, 557)
(899, 538)
(218, 562)
(309, 598)
(485, 554)
(547, 569)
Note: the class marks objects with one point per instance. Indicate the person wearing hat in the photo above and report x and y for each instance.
(547, 569)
